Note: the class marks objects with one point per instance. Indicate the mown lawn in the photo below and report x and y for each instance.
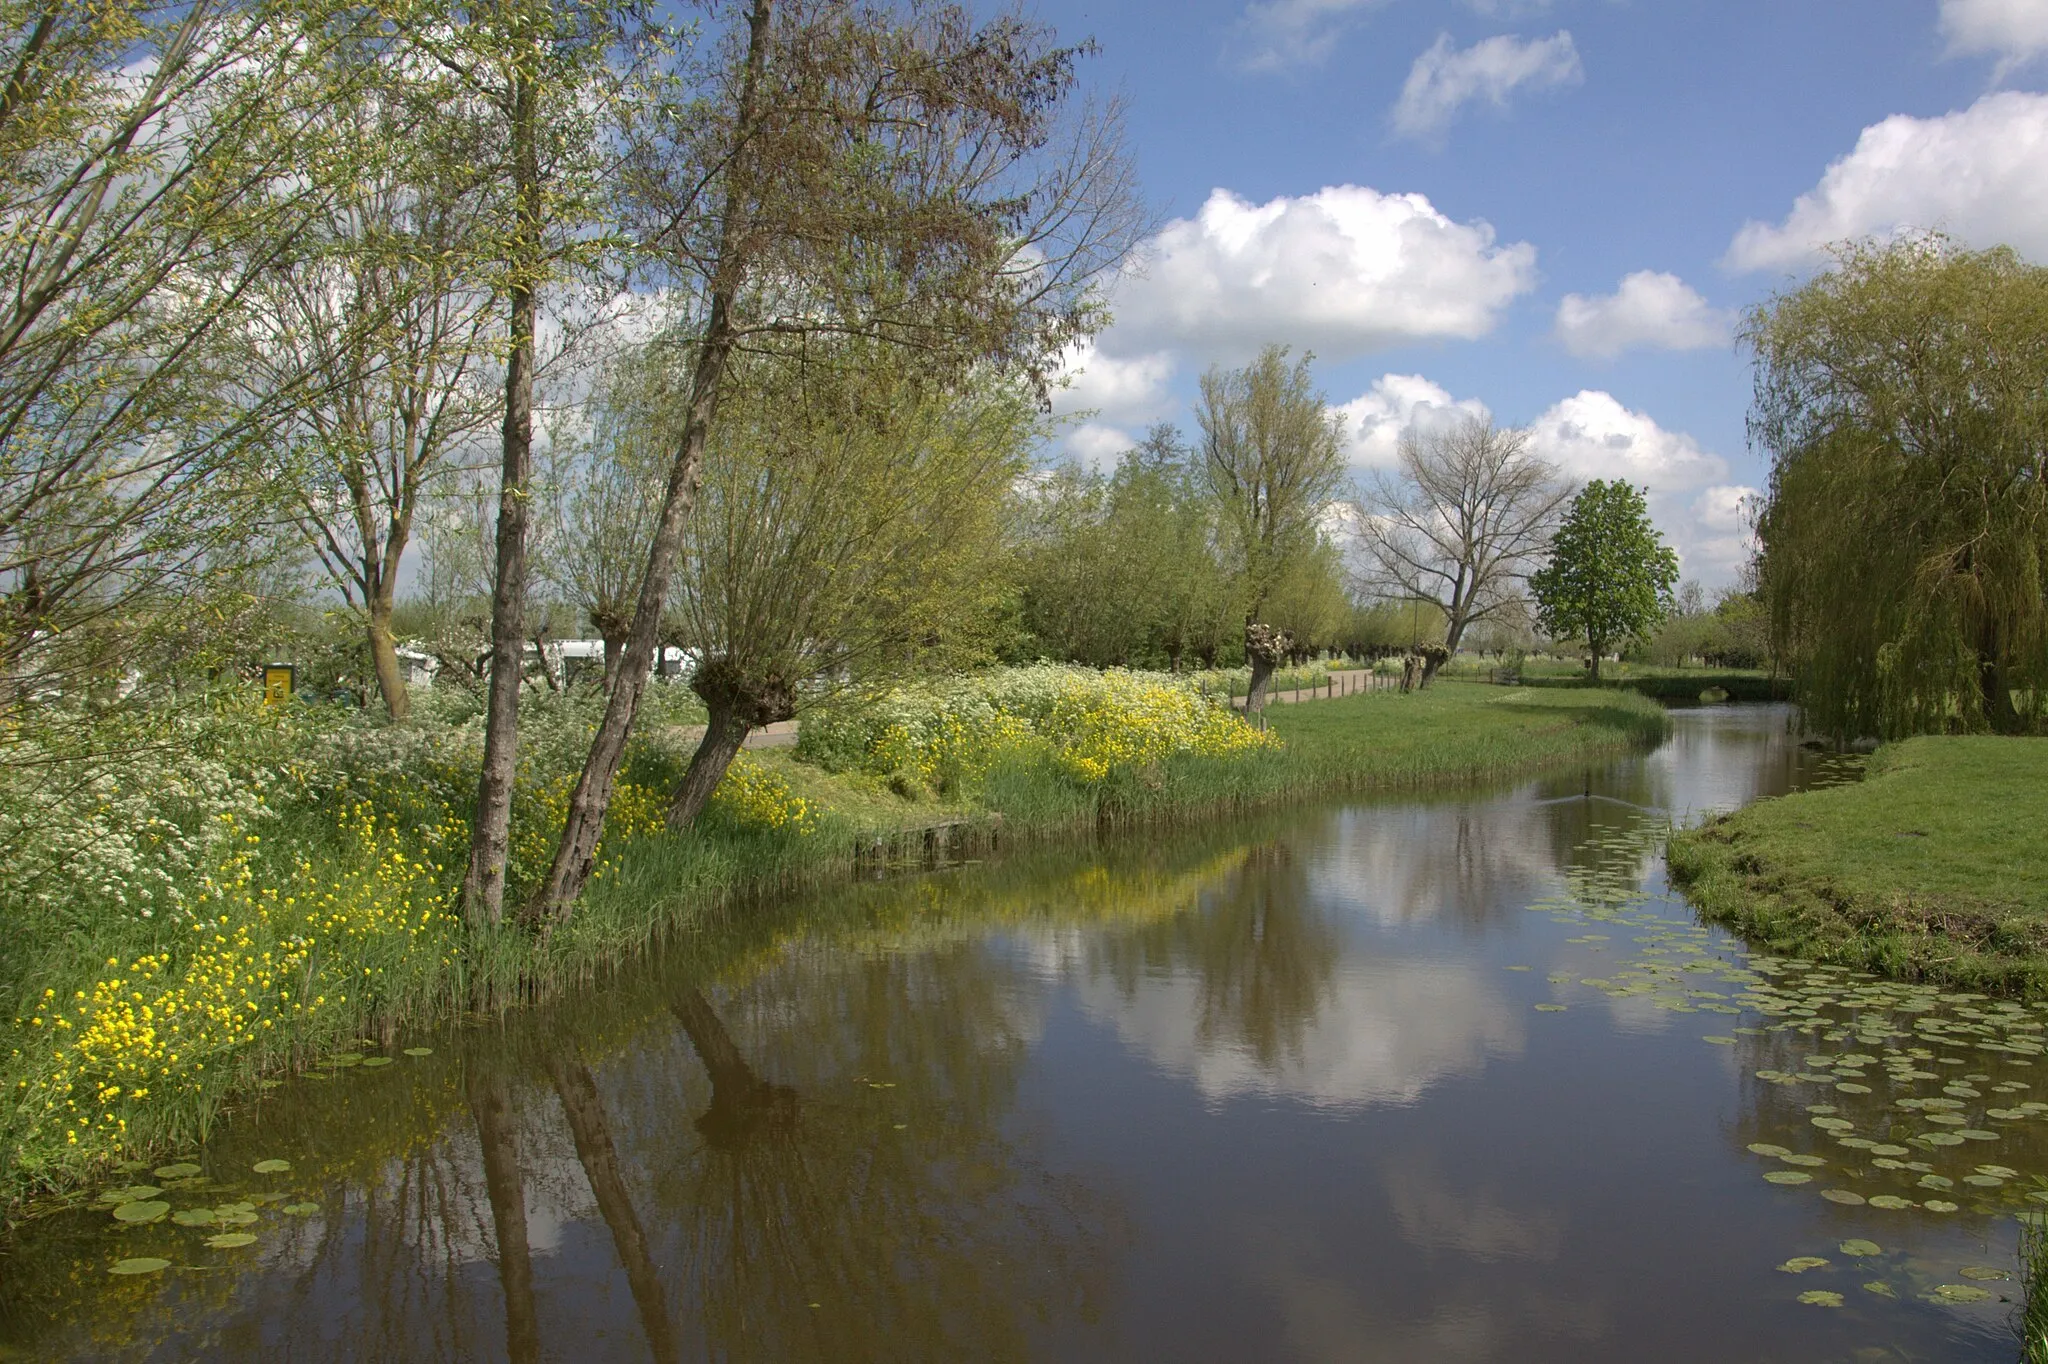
(1933, 867)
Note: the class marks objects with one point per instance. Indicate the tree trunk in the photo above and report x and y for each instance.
(508, 1217)
(1261, 682)
(490, 830)
(1596, 650)
(591, 1131)
(723, 738)
(384, 658)
(577, 850)
(1999, 712)
(1264, 647)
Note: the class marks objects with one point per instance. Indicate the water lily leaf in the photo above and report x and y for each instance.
(1820, 1297)
(195, 1217)
(1941, 1138)
(1834, 1124)
(1977, 1134)
(1860, 1248)
(134, 1193)
(1939, 1205)
(1720, 1041)
(1961, 1292)
(1984, 1181)
(141, 1211)
(141, 1264)
(345, 1058)
(1811, 1162)
(1764, 1148)
(2002, 1171)
(1890, 1202)
(373, 1061)
(175, 1171)
(1880, 1287)
(1799, 1264)
(1843, 1196)
(1848, 1088)
(235, 1219)
(271, 1167)
(1984, 1273)
(429, 1051)
(1887, 1150)
(1550, 1008)
(1788, 1177)
(231, 1240)
(300, 1209)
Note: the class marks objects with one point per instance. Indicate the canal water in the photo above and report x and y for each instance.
(1403, 1080)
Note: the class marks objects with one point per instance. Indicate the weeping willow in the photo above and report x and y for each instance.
(1903, 399)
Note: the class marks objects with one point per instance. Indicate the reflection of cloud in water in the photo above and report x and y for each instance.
(1641, 1016)
(1436, 1215)
(1341, 1320)
(1413, 864)
(1387, 1031)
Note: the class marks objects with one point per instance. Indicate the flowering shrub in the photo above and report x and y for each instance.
(262, 948)
(754, 797)
(1091, 724)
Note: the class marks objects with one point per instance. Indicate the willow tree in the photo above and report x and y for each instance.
(832, 169)
(1273, 458)
(1903, 397)
(846, 532)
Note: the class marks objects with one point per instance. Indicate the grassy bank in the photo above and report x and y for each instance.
(1933, 868)
(205, 932)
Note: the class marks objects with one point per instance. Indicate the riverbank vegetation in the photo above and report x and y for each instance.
(1931, 868)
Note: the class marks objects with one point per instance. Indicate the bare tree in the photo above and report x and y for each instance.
(1462, 523)
(1274, 455)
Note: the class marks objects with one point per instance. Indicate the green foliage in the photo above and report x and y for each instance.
(1610, 573)
(1903, 397)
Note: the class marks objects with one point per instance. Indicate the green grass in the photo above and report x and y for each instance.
(1934, 867)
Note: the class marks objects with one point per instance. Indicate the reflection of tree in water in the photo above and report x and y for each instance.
(1262, 947)
(874, 1209)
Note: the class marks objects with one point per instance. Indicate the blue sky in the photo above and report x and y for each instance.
(1551, 208)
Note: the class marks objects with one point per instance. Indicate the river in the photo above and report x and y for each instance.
(1449, 1079)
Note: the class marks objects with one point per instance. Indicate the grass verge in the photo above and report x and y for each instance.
(1934, 867)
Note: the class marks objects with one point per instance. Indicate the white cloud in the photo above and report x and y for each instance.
(1288, 33)
(1118, 390)
(1097, 445)
(1446, 78)
(1343, 271)
(1395, 405)
(1649, 309)
(2015, 31)
(1977, 174)
(1591, 435)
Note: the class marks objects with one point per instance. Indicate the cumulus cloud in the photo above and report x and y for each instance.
(1592, 435)
(1446, 78)
(1394, 406)
(2014, 31)
(1117, 390)
(1650, 309)
(1343, 271)
(1975, 174)
(1097, 445)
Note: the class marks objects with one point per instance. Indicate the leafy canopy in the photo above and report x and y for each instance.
(1610, 573)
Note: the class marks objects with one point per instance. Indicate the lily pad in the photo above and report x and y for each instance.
(1984, 1273)
(1789, 1177)
(1984, 1181)
(345, 1058)
(145, 1210)
(1550, 1008)
(231, 1240)
(1811, 1162)
(300, 1209)
(141, 1264)
(234, 1217)
(133, 1193)
(1939, 1205)
(271, 1167)
(1799, 1264)
(1890, 1202)
(1880, 1287)
(1720, 1041)
(1962, 1292)
(175, 1171)
(195, 1217)
(1976, 1134)
(1764, 1148)
(1843, 1196)
(374, 1061)
(1860, 1248)
(1820, 1297)
(429, 1051)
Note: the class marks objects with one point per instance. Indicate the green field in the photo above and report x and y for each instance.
(1934, 867)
